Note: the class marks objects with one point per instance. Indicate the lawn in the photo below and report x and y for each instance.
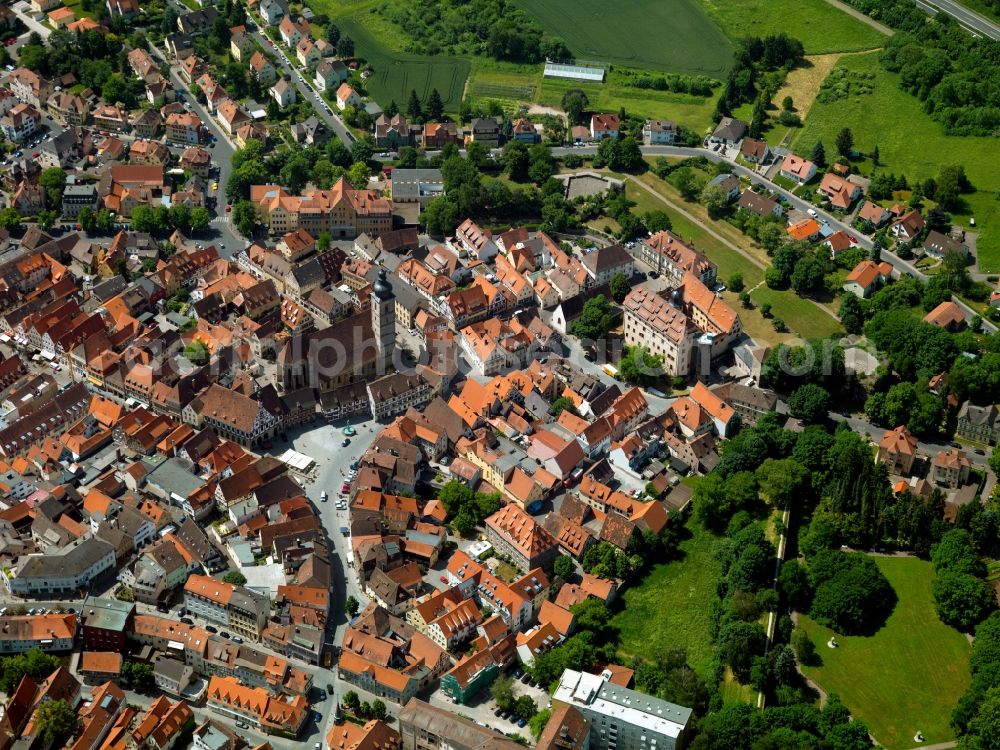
(910, 142)
(77, 8)
(670, 607)
(818, 25)
(800, 315)
(906, 677)
(674, 35)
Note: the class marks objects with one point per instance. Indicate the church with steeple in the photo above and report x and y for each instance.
(383, 303)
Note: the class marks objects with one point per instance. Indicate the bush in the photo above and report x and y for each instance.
(961, 600)
(852, 595)
(956, 553)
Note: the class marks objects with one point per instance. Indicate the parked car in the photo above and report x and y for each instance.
(345, 442)
(187, 621)
(329, 689)
(224, 634)
(236, 639)
(211, 629)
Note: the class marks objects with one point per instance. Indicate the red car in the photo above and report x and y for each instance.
(345, 488)
(229, 208)
(444, 579)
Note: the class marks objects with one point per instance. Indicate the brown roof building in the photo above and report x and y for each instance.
(514, 533)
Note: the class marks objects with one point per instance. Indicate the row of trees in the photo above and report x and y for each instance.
(363, 709)
(495, 29)
(161, 219)
(763, 468)
(321, 165)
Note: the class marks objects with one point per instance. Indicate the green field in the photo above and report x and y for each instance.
(817, 24)
(670, 606)
(693, 112)
(910, 142)
(396, 73)
(906, 677)
(674, 35)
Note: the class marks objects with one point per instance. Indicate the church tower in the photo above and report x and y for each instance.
(383, 303)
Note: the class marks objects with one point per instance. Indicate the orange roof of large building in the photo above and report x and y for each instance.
(656, 312)
(711, 403)
(272, 712)
(212, 589)
(899, 440)
(721, 316)
(101, 662)
(375, 735)
(521, 530)
(804, 229)
(38, 627)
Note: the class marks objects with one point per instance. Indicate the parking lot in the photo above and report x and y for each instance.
(483, 710)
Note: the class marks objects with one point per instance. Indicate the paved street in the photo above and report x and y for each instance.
(23, 11)
(968, 18)
(221, 231)
(927, 448)
(285, 63)
(306, 90)
(902, 266)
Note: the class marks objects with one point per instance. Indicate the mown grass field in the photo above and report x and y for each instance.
(818, 25)
(910, 142)
(670, 606)
(674, 35)
(906, 677)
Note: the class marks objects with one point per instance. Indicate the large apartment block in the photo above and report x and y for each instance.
(235, 607)
(619, 717)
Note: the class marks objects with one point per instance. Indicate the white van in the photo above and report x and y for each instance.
(323, 496)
